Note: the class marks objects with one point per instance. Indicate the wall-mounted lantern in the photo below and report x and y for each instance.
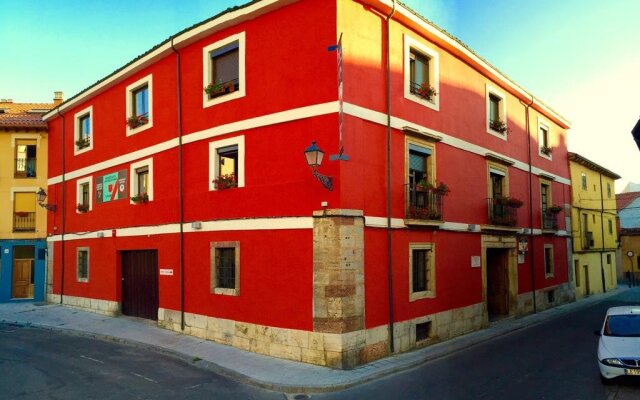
(314, 159)
(41, 196)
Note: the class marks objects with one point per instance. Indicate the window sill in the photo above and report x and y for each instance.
(422, 295)
(435, 223)
(433, 104)
(226, 292)
(139, 128)
(497, 134)
(207, 102)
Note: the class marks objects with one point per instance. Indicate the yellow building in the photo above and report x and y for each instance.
(23, 224)
(593, 226)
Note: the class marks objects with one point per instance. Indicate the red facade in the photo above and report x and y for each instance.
(286, 97)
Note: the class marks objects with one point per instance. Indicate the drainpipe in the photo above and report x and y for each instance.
(389, 232)
(62, 214)
(604, 288)
(180, 196)
(531, 246)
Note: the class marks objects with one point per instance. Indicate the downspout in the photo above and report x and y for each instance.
(604, 287)
(389, 232)
(531, 246)
(62, 216)
(180, 196)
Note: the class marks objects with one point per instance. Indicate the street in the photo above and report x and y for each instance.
(553, 360)
(39, 364)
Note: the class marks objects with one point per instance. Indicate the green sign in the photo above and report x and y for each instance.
(112, 186)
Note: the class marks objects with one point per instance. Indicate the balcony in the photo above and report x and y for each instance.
(25, 167)
(550, 220)
(587, 240)
(502, 211)
(24, 221)
(424, 203)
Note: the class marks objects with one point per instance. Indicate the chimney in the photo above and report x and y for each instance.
(6, 100)
(57, 98)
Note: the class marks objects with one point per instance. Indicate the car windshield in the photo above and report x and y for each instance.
(622, 325)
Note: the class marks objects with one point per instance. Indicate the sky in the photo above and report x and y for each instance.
(581, 57)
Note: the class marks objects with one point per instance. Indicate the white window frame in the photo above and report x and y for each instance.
(76, 130)
(431, 291)
(148, 81)
(542, 123)
(490, 90)
(206, 70)
(434, 72)
(214, 159)
(214, 268)
(80, 182)
(133, 181)
(552, 269)
(78, 250)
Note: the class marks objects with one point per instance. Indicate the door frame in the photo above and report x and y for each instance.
(510, 244)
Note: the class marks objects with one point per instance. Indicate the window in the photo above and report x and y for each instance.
(421, 274)
(421, 77)
(423, 201)
(586, 234)
(24, 211)
(583, 179)
(610, 227)
(544, 139)
(423, 331)
(608, 190)
(224, 70)
(496, 113)
(82, 266)
(84, 201)
(576, 267)
(139, 101)
(141, 181)
(225, 268)
(25, 158)
(548, 260)
(544, 197)
(549, 217)
(609, 259)
(226, 163)
(501, 211)
(83, 130)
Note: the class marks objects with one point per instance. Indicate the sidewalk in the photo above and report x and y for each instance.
(268, 372)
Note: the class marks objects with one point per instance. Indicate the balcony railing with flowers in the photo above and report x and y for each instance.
(425, 201)
(137, 120)
(503, 211)
(423, 90)
(550, 218)
(24, 221)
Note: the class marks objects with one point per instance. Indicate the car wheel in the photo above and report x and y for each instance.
(605, 380)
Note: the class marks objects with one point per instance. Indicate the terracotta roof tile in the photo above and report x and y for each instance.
(624, 199)
(22, 115)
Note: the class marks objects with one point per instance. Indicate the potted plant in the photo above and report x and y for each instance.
(555, 209)
(136, 121)
(216, 88)
(225, 181)
(83, 208)
(499, 126)
(83, 142)
(426, 91)
(140, 198)
(514, 203)
(545, 150)
(442, 189)
(423, 186)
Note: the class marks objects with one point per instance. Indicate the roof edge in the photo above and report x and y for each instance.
(575, 157)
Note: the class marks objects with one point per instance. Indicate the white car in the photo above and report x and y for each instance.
(619, 345)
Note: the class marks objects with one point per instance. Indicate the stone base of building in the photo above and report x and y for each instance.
(546, 298)
(98, 306)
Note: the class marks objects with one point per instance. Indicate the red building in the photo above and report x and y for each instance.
(197, 208)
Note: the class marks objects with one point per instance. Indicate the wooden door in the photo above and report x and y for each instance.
(497, 282)
(587, 290)
(22, 279)
(140, 283)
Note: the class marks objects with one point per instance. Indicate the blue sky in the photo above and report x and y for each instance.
(579, 56)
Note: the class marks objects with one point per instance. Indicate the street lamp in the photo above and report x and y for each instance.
(314, 158)
(41, 196)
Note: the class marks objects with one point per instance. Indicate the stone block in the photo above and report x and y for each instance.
(373, 352)
(316, 341)
(287, 352)
(312, 356)
(241, 343)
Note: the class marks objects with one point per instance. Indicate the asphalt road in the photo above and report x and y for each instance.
(40, 364)
(553, 360)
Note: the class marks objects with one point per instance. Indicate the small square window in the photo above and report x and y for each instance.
(82, 270)
(496, 113)
(423, 331)
(226, 163)
(83, 194)
(225, 268)
(141, 181)
(421, 76)
(609, 259)
(548, 260)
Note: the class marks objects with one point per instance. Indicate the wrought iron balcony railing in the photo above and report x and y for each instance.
(24, 221)
(550, 220)
(424, 203)
(501, 213)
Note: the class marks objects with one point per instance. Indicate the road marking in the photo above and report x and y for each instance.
(92, 359)
(194, 386)
(143, 377)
